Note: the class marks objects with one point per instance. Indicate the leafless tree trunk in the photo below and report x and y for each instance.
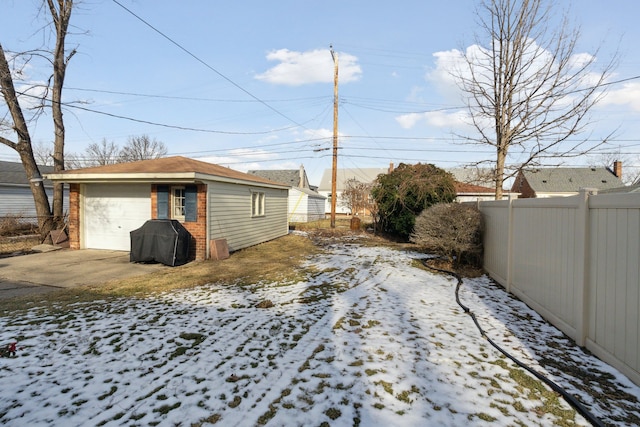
(142, 148)
(23, 147)
(48, 219)
(61, 13)
(526, 86)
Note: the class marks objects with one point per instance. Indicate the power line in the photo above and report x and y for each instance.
(179, 46)
(186, 98)
(148, 122)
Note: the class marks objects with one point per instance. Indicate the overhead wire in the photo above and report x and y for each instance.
(198, 59)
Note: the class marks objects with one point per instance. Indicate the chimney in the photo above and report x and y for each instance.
(390, 167)
(617, 168)
(301, 183)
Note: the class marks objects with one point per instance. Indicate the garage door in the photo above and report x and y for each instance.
(111, 212)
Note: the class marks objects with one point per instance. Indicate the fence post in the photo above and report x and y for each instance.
(582, 245)
(510, 243)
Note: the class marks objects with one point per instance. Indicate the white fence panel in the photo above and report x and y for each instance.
(575, 260)
(496, 241)
(614, 299)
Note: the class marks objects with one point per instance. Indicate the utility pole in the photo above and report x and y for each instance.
(334, 170)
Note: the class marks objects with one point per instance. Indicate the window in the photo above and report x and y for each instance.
(177, 203)
(257, 204)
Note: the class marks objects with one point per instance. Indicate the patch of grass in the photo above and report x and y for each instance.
(165, 409)
(237, 400)
(278, 260)
(333, 413)
(109, 393)
(388, 387)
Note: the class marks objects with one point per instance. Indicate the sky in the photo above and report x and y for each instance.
(384, 344)
(249, 85)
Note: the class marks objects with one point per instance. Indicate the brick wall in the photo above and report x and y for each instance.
(198, 229)
(74, 216)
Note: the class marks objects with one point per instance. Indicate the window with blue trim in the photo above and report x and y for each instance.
(177, 202)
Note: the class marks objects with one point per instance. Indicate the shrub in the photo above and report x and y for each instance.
(405, 192)
(452, 230)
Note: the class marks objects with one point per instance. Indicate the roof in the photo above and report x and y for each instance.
(286, 176)
(464, 188)
(634, 188)
(13, 174)
(569, 180)
(364, 175)
(473, 175)
(177, 167)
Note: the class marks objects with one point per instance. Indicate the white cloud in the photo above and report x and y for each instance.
(581, 59)
(242, 159)
(628, 95)
(314, 66)
(439, 119)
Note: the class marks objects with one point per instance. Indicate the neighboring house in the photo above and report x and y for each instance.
(15, 191)
(473, 193)
(211, 201)
(364, 175)
(562, 182)
(305, 204)
(482, 177)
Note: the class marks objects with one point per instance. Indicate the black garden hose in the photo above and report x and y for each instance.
(571, 400)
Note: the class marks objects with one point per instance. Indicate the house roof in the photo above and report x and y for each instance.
(167, 168)
(568, 180)
(13, 174)
(286, 176)
(464, 188)
(364, 175)
(473, 175)
(634, 188)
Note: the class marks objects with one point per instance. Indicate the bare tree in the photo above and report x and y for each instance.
(526, 86)
(42, 153)
(142, 148)
(105, 153)
(96, 154)
(48, 218)
(61, 14)
(23, 146)
(357, 196)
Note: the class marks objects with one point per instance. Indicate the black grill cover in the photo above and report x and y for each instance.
(160, 240)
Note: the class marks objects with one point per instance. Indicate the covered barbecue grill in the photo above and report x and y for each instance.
(160, 240)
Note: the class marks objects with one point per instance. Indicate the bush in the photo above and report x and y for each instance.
(405, 192)
(452, 230)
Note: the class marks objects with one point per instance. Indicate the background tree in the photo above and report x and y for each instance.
(526, 85)
(96, 154)
(42, 153)
(356, 196)
(452, 230)
(402, 194)
(16, 121)
(142, 148)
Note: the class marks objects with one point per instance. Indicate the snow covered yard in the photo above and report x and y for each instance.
(368, 339)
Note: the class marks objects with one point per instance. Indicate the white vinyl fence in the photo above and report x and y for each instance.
(576, 261)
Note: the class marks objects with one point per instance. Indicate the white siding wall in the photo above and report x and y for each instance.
(575, 261)
(305, 208)
(315, 208)
(230, 215)
(298, 206)
(19, 201)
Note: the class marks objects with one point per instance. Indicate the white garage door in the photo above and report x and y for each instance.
(112, 211)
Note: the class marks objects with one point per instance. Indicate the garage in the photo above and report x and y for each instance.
(111, 212)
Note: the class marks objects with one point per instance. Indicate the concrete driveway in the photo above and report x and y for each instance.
(65, 268)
